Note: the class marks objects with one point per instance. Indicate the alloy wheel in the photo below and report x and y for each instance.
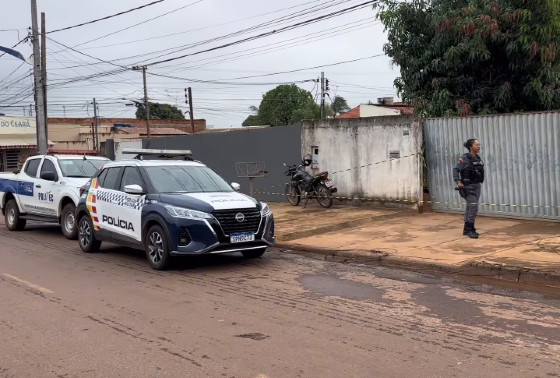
(155, 247)
(85, 233)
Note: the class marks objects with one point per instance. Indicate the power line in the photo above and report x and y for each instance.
(280, 20)
(140, 23)
(107, 17)
(266, 34)
(203, 28)
(14, 46)
(262, 50)
(268, 24)
(309, 68)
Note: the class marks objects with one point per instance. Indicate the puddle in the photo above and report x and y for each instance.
(323, 285)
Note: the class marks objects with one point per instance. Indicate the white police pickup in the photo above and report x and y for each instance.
(47, 189)
(170, 207)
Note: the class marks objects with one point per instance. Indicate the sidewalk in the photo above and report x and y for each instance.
(526, 251)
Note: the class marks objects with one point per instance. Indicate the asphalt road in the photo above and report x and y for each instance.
(65, 313)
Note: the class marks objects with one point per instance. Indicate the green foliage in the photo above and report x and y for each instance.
(460, 57)
(284, 105)
(339, 105)
(158, 111)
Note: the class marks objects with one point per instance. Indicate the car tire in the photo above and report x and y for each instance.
(86, 237)
(12, 216)
(157, 248)
(253, 253)
(68, 222)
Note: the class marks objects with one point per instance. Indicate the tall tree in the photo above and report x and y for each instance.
(284, 105)
(158, 111)
(339, 105)
(460, 57)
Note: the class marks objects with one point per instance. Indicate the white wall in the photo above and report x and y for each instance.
(367, 110)
(120, 144)
(357, 154)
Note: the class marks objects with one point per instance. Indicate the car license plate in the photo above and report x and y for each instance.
(241, 238)
(328, 183)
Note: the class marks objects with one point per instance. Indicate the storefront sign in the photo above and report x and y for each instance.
(17, 125)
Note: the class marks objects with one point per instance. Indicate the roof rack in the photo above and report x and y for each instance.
(147, 154)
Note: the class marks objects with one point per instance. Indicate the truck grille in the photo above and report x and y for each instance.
(230, 225)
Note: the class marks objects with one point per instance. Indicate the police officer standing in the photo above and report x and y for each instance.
(468, 174)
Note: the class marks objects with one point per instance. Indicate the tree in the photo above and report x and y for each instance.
(284, 105)
(339, 105)
(158, 111)
(253, 119)
(460, 57)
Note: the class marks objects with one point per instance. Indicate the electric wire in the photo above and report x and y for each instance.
(106, 18)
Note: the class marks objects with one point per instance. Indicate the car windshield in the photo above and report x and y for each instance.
(80, 167)
(186, 179)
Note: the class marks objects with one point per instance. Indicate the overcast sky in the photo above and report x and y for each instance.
(95, 60)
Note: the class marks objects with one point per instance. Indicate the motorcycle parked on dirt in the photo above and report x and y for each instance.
(304, 185)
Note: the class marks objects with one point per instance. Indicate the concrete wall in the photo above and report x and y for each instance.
(120, 144)
(184, 125)
(357, 153)
(367, 110)
(221, 150)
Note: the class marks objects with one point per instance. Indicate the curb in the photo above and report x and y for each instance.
(471, 269)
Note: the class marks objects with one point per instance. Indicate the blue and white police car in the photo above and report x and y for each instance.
(169, 205)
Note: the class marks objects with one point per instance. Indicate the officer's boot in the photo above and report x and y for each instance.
(466, 229)
(471, 232)
(474, 229)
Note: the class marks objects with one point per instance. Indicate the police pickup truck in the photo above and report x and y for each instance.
(169, 205)
(47, 189)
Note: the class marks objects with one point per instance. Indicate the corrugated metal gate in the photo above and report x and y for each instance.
(521, 153)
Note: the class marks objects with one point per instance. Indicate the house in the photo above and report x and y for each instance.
(18, 141)
(77, 134)
(385, 106)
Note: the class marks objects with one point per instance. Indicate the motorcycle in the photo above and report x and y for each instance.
(304, 185)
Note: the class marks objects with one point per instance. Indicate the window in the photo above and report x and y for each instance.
(12, 159)
(101, 177)
(80, 167)
(131, 176)
(48, 166)
(112, 179)
(186, 179)
(32, 167)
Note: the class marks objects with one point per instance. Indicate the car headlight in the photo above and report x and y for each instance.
(181, 212)
(265, 209)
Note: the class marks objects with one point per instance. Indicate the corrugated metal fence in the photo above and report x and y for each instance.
(521, 153)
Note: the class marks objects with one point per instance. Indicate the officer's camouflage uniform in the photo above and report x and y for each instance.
(470, 171)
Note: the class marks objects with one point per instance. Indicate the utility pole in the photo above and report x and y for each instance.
(96, 131)
(146, 104)
(322, 95)
(191, 110)
(39, 102)
(44, 72)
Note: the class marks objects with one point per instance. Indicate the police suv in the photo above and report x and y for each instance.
(169, 205)
(47, 189)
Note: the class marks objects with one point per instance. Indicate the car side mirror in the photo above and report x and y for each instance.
(133, 189)
(236, 186)
(49, 176)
